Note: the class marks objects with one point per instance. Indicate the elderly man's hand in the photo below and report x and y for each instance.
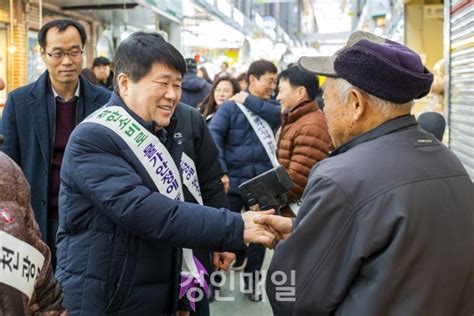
(257, 233)
(222, 260)
(240, 97)
(282, 225)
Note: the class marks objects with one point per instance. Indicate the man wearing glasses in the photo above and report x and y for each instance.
(38, 118)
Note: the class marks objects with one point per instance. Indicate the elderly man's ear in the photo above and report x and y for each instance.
(357, 104)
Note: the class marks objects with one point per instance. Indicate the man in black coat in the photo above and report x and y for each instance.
(386, 226)
(195, 89)
(201, 149)
(38, 118)
(103, 73)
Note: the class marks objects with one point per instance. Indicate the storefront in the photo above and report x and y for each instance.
(167, 18)
(118, 23)
(3, 60)
(20, 59)
(459, 32)
(210, 40)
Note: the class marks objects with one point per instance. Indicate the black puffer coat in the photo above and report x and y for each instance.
(119, 239)
(195, 90)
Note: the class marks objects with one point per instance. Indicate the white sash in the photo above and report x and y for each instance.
(190, 177)
(148, 149)
(264, 133)
(191, 181)
(20, 263)
(152, 154)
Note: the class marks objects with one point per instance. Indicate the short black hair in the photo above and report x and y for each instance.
(299, 78)
(136, 55)
(242, 76)
(100, 61)
(261, 67)
(61, 25)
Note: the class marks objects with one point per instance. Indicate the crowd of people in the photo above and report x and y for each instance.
(135, 173)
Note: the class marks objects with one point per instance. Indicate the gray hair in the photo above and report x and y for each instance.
(343, 88)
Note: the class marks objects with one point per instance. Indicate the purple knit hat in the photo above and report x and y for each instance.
(378, 66)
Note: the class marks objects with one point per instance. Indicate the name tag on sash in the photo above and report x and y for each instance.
(20, 263)
(154, 157)
(264, 133)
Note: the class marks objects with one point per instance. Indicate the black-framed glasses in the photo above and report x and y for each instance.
(59, 55)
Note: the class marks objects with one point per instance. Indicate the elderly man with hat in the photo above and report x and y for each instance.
(386, 226)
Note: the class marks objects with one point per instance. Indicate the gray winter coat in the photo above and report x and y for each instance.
(386, 228)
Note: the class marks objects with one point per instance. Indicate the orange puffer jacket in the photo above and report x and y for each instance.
(17, 220)
(304, 140)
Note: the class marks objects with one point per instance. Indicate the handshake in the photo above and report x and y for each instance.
(263, 227)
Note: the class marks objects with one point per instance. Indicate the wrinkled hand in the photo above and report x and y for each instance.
(282, 225)
(226, 182)
(240, 97)
(256, 208)
(257, 233)
(222, 260)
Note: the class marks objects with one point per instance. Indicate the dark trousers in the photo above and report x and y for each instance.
(52, 230)
(202, 308)
(255, 252)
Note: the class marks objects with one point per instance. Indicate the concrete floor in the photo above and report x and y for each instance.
(234, 302)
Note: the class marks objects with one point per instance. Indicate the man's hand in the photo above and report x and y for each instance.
(222, 260)
(240, 97)
(282, 225)
(226, 182)
(258, 233)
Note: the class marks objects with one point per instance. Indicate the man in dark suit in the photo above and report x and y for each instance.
(38, 118)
